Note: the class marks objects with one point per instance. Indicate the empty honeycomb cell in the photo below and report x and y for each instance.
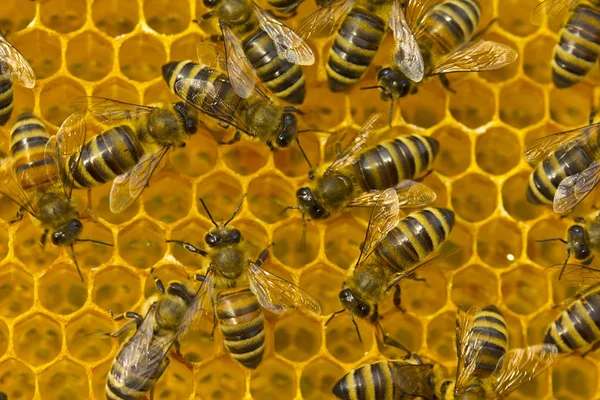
(546, 253)
(474, 197)
(27, 248)
(101, 205)
(115, 17)
(61, 291)
(297, 337)
(56, 96)
(17, 380)
(465, 110)
(16, 15)
(198, 345)
(289, 247)
(343, 238)
(63, 380)
(141, 57)
(168, 199)
(499, 242)
(221, 193)
(184, 48)
(537, 58)
(84, 337)
(427, 107)
(571, 109)
(176, 383)
(440, 336)
(167, 17)
(324, 284)
(3, 338)
(197, 158)
(116, 289)
(159, 93)
(458, 248)
(193, 232)
(514, 17)
(255, 237)
(317, 379)
(514, 201)
(454, 155)
(99, 375)
(497, 151)
(37, 340)
(89, 254)
(427, 295)
(342, 341)
(89, 56)
(63, 16)
(518, 110)
(16, 291)
(291, 161)
(505, 73)
(524, 289)
(245, 157)
(538, 325)
(222, 378)
(268, 196)
(474, 286)
(42, 50)
(273, 379)
(574, 378)
(406, 329)
(142, 244)
(321, 114)
(117, 88)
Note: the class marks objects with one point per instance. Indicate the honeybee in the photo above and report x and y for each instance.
(358, 176)
(130, 150)
(35, 178)
(487, 369)
(143, 358)
(577, 49)
(12, 66)
(245, 287)
(393, 249)
(257, 45)
(567, 167)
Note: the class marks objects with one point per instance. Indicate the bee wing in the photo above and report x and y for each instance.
(554, 10)
(468, 345)
(288, 44)
(352, 152)
(19, 68)
(573, 189)
(540, 148)
(197, 309)
(126, 188)
(578, 274)
(416, 10)
(108, 110)
(241, 72)
(10, 186)
(325, 20)
(519, 366)
(278, 295)
(407, 54)
(414, 194)
(482, 55)
(212, 56)
(414, 380)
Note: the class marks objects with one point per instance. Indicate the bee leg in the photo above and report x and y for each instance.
(446, 83)
(137, 320)
(236, 138)
(43, 238)
(263, 255)
(157, 281)
(594, 347)
(387, 340)
(189, 247)
(19, 216)
(397, 298)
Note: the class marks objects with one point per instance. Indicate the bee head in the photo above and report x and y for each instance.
(289, 132)
(67, 235)
(182, 291)
(308, 204)
(354, 305)
(221, 236)
(578, 243)
(393, 85)
(189, 117)
(472, 392)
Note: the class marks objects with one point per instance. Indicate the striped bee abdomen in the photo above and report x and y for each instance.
(105, 156)
(579, 45)
(241, 321)
(488, 333)
(284, 79)
(132, 382)
(353, 49)
(389, 163)
(33, 167)
(415, 238)
(6, 95)
(369, 382)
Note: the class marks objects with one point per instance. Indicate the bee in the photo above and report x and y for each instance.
(143, 358)
(34, 177)
(566, 167)
(486, 368)
(358, 175)
(130, 150)
(257, 45)
(393, 249)
(3, 396)
(12, 66)
(577, 49)
(245, 288)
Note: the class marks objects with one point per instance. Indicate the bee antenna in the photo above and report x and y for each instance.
(356, 327)
(334, 314)
(303, 153)
(293, 109)
(372, 87)
(391, 117)
(236, 210)
(289, 208)
(208, 213)
(552, 240)
(95, 241)
(76, 263)
(562, 271)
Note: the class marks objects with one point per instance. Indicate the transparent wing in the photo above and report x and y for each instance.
(19, 68)
(482, 55)
(407, 54)
(197, 309)
(241, 72)
(555, 10)
(573, 189)
(539, 149)
(468, 345)
(352, 152)
(414, 194)
(522, 365)
(137, 351)
(212, 56)
(288, 44)
(277, 294)
(384, 218)
(578, 274)
(416, 10)
(10, 186)
(414, 380)
(126, 188)
(109, 111)
(325, 20)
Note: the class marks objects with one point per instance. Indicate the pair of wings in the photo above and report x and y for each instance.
(288, 44)
(515, 368)
(573, 189)
(554, 10)
(18, 67)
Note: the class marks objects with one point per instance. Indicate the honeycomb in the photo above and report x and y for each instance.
(50, 347)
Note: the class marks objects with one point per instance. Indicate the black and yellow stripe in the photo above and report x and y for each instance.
(354, 47)
(578, 325)
(369, 382)
(126, 384)
(241, 321)
(415, 238)
(488, 333)
(33, 167)
(579, 44)
(389, 163)
(6, 96)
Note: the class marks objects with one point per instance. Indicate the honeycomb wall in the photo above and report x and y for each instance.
(50, 322)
